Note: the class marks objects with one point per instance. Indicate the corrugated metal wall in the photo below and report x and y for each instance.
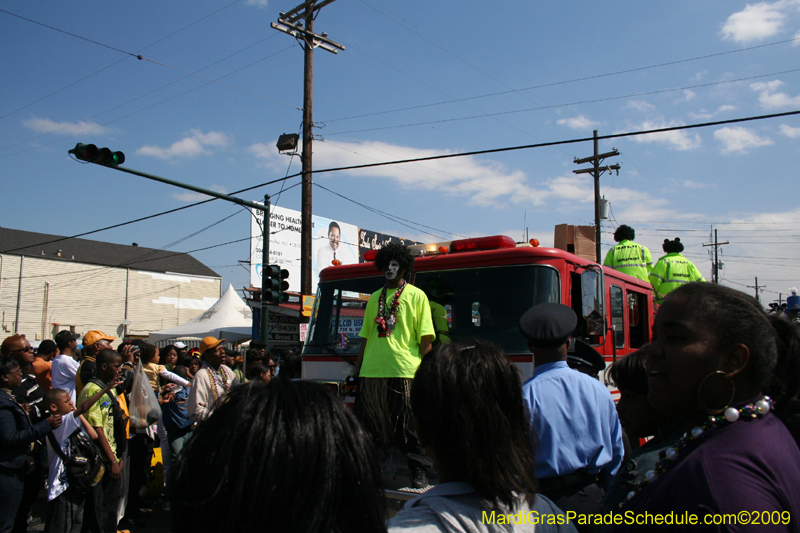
(57, 294)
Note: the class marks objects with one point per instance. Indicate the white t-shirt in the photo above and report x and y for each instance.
(63, 374)
(57, 475)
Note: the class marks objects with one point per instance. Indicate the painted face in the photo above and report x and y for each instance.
(335, 238)
(392, 270)
(683, 353)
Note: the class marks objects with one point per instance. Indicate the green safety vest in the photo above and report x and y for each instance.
(672, 271)
(630, 258)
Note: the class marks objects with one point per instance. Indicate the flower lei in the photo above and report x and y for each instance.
(386, 321)
(671, 454)
(215, 376)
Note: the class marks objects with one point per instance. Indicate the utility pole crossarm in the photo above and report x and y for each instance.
(593, 158)
(595, 170)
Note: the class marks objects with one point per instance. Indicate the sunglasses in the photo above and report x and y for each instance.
(28, 349)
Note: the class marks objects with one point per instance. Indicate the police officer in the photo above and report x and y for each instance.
(629, 257)
(583, 358)
(573, 418)
(672, 270)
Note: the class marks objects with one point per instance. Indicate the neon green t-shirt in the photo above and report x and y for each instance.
(396, 356)
(101, 414)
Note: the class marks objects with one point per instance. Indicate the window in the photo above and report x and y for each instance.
(617, 316)
(484, 302)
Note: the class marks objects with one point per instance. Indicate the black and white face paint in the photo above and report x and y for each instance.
(392, 270)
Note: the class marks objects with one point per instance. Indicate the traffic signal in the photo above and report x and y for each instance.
(275, 284)
(102, 156)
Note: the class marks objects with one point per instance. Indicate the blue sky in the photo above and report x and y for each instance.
(216, 86)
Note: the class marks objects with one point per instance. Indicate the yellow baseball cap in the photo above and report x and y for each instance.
(210, 342)
(94, 335)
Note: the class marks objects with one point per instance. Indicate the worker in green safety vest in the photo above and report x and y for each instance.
(672, 270)
(629, 257)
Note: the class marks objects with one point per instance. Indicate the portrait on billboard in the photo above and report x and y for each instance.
(333, 241)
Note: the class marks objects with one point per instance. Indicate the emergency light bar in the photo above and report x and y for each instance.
(464, 245)
(483, 243)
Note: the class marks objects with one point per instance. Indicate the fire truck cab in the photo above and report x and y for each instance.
(480, 288)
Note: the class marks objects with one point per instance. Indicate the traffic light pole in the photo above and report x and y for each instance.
(252, 205)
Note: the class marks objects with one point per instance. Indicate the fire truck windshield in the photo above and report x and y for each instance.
(484, 302)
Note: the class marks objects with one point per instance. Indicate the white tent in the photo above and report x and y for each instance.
(229, 318)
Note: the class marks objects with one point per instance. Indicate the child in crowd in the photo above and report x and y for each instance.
(65, 503)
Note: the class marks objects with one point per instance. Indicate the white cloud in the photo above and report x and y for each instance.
(189, 196)
(699, 76)
(687, 95)
(739, 140)
(770, 99)
(705, 115)
(191, 146)
(577, 123)
(640, 105)
(755, 22)
(45, 125)
(690, 184)
(789, 131)
(259, 3)
(677, 139)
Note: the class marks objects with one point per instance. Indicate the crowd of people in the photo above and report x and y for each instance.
(707, 425)
(39, 421)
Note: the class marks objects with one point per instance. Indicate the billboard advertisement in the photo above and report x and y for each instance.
(331, 240)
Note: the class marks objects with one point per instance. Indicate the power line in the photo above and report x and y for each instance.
(571, 141)
(393, 218)
(152, 216)
(594, 101)
(564, 82)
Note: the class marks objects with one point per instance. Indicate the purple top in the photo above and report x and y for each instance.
(751, 465)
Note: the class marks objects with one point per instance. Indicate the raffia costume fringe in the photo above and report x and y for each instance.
(373, 392)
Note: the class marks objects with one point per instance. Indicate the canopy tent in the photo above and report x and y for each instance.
(229, 318)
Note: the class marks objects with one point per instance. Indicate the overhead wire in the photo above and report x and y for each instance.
(563, 82)
(112, 64)
(593, 101)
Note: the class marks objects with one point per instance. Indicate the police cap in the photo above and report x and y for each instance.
(583, 354)
(548, 325)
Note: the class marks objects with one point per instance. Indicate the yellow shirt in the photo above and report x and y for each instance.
(396, 356)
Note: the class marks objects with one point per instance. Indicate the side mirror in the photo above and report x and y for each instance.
(592, 301)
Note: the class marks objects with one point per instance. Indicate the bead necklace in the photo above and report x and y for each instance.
(386, 321)
(214, 377)
(671, 454)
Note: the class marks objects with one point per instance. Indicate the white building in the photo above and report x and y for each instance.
(49, 283)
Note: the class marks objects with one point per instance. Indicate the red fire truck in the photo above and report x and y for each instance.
(484, 285)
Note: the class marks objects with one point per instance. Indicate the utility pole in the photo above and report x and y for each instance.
(757, 287)
(290, 23)
(715, 263)
(596, 171)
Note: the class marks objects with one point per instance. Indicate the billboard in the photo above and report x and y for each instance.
(331, 240)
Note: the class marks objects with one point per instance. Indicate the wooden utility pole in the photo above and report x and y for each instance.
(715, 263)
(290, 23)
(596, 171)
(757, 287)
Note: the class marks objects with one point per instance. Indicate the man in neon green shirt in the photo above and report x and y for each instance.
(629, 257)
(396, 334)
(672, 270)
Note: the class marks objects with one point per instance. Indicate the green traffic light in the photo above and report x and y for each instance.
(103, 156)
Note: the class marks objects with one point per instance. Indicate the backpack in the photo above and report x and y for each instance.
(83, 462)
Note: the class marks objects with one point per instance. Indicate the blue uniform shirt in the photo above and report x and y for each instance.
(575, 422)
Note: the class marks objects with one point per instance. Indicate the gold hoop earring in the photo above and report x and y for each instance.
(703, 405)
